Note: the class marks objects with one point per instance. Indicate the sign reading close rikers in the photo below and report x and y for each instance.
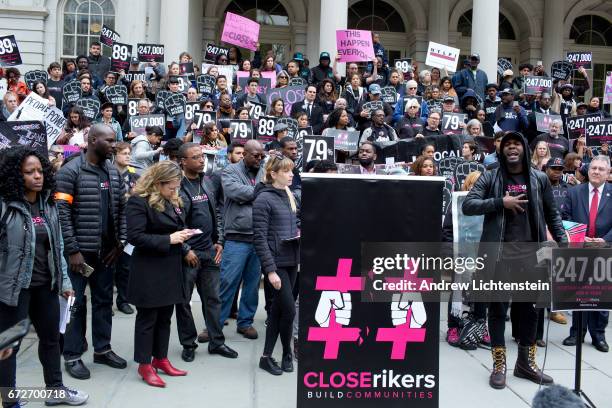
(240, 31)
(354, 45)
(289, 95)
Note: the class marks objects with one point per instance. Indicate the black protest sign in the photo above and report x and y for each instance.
(464, 169)
(184, 83)
(150, 52)
(31, 77)
(240, 131)
(72, 91)
(448, 165)
(581, 278)
(108, 36)
(343, 334)
(190, 107)
(561, 69)
(135, 76)
(174, 104)
(543, 121)
(404, 65)
(91, 107)
(502, 65)
(346, 140)
(419, 99)
(256, 110)
(264, 131)
(206, 84)
(292, 128)
(575, 125)
(120, 58)
(132, 106)
(372, 106)
(318, 148)
(289, 95)
(447, 195)
(117, 94)
(580, 59)
(186, 68)
(200, 118)
(212, 50)
(389, 95)
(160, 98)
(486, 146)
(599, 133)
(409, 149)
(297, 81)
(139, 123)
(533, 85)
(9, 52)
(451, 123)
(26, 133)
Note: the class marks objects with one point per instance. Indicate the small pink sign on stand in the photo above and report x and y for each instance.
(354, 45)
(240, 31)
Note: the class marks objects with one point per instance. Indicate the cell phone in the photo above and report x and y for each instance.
(86, 270)
(11, 337)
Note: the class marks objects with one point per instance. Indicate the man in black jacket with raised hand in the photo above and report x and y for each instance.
(518, 207)
(203, 255)
(91, 201)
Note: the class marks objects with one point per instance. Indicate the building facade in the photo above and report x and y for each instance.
(519, 30)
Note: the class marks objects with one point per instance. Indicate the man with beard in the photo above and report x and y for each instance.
(518, 206)
(91, 201)
(367, 157)
(379, 131)
(289, 148)
(544, 108)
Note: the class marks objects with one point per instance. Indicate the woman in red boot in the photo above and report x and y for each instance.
(156, 229)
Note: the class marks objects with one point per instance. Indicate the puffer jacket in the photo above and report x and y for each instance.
(17, 248)
(273, 223)
(239, 196)
(78, 200)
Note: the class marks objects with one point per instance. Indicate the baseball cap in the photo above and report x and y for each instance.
(324, 55)
(475, 55)
(279, 127)
(448, 98)
(298, 56)
(375, 89)
(491, 85)
(507, 91)
(555, 163)
(508, 72)
(581, 104)
(134, 60)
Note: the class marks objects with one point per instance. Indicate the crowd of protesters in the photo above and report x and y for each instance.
(140, 208)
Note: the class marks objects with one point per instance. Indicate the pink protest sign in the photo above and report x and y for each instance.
(354, 45)
(271, 75)
(608, 89)
(240, 31)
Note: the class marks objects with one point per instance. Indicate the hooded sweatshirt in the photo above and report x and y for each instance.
(143, 154)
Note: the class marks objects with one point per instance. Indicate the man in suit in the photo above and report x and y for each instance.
(591, 204)
(310, 106)
(542, 107)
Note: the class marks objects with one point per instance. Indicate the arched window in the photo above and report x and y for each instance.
(266, 12)
(591, 30)
(506, 32)
(374, 15)
(83, 20)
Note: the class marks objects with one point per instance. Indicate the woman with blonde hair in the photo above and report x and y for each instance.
(156, 229)
(276, 238)
(541, 155)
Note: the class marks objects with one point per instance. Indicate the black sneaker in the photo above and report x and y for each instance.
(270, 365)
(287, 363)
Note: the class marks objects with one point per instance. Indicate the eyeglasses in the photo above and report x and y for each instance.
(209, 106)
(196, 157)
(412, 87)
(282, 77)
(413, 107)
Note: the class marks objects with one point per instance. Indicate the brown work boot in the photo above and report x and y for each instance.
(497, 379)
(558, 317)
(527, 368)
(203, 337)
(248, 332)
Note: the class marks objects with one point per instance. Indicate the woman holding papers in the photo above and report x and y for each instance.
(32, 267)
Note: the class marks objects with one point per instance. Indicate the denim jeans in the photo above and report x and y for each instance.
(239, 261)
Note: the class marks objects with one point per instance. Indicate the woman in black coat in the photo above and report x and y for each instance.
(276, 241)
(156, 229)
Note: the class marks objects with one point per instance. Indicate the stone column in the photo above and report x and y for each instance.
(173, 31)
(552, 47)
(334, 16)
(485, 35)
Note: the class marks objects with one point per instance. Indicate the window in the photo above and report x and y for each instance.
(83, 20)
(506, 32)
(600, 72)
(266, 12)
(374, 15)
(591, 30)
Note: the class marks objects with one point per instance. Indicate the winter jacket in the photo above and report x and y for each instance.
(17, 249)
(99, 65)
(508, 120)
(408, 128)
(367, 134)
(464, 80)
(273, 224)
(353, 101)
(143, 155)
(78, 200)
(465, 100)
(489, 107)
(239, 189)
(319, 73)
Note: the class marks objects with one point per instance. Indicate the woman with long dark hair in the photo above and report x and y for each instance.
(276, 241)
(338, 119)
(33, 271)
(40, 89)
(76, 129)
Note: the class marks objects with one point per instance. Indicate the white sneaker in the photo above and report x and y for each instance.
(67, 396)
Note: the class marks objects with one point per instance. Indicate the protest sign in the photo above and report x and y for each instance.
(463, 169)
(297, 81)
(389, 95)
(212, 50)
(543, 121)
(140, 122)
(91, 107)
(346, 140)
(289, 95)
(186, 68)
(160, 98)
(404, 65)
(502, 65)
(271, 75)
(108, 36)
(575, 125)
(240, 131)
(117, 94)
(206, 84)
(9, 52)
(190, 107)
(264, 131)
(72, 91)
(132, 106)
(448, 165)
(135, 76)
(599, 133)
(200, 118)
(150, 52)
(372, 105)
(580, 59)
(442, 56)
(354, 45)
(35, 108)
(256, 110)
(533, 85)
(120, 58)
(174, 104)
(561, 69)
(229, 71)
(607, 97)
(265, 84)
(184, 83)
(240, 31)
(31, 77)
(318, 148)
(24, 133)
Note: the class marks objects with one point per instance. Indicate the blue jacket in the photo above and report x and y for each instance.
(464, 79)
(508, 120)
(398, 113)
